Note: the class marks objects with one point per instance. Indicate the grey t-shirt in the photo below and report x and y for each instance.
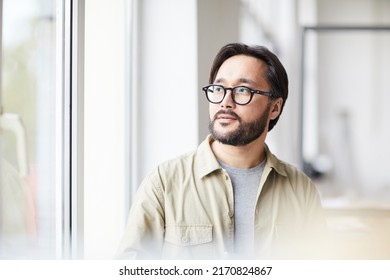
(245, 183)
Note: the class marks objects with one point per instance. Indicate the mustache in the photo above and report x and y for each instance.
(226, 112)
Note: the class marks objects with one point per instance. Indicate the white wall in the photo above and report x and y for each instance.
(167, 82)
(104, 205)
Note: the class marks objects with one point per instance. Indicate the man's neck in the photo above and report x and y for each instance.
(245, 157)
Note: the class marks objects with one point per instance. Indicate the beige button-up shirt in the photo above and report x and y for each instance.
(185, 210)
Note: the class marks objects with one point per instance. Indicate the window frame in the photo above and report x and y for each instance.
(70, 129)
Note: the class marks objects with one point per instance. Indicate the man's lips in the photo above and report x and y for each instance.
(226, 117)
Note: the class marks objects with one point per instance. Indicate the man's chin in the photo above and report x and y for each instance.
(234, 137)
(224, 137)
(225, 132)
(225, 127)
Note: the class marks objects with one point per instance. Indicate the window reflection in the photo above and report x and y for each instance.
(28, 94)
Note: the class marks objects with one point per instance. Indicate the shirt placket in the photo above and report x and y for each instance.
(230, 213)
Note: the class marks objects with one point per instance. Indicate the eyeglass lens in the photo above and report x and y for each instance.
(241, 94)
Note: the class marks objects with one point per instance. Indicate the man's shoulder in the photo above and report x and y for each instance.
(170, 170)
(293, 170)
(201, 153)
(294, 174)
(182, 159)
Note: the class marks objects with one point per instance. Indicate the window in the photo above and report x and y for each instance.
(39, 137)
(28, 129)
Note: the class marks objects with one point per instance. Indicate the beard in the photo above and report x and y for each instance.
(245, 133)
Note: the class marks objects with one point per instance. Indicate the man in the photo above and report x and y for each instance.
(230, 198)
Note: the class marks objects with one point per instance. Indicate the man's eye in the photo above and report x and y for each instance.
(242, 90)
(218, 89)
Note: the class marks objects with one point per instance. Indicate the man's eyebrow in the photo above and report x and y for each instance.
(246, 81)
(219, 80)
(240, 80)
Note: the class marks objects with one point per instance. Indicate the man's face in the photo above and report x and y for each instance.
(234, 124)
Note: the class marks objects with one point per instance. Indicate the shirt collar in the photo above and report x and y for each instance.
(207, 163)
(274, 163)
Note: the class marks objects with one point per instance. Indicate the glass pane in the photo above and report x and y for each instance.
(27, 217)
(346, 112)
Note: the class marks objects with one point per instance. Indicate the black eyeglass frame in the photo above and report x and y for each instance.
(252, 91)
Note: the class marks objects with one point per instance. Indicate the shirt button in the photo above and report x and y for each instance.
(231, 214)
(184, 239)
(226, 177)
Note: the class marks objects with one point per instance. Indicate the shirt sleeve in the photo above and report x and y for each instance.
(144, 233)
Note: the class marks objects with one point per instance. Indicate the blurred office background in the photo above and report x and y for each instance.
(94, 94)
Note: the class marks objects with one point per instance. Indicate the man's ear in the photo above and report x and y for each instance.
(276, 108)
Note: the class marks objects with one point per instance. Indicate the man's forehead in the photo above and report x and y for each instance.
(241, 80)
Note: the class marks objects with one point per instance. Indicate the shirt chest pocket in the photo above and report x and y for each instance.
(188, 235)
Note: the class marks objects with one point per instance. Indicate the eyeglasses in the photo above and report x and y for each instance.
(241, 95)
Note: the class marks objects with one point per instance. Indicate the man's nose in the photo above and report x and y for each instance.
(228, 102)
